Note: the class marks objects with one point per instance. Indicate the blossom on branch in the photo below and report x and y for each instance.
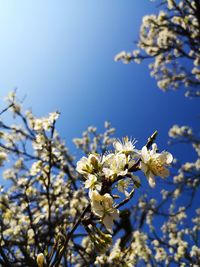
(154, 164)
(92, 183)
(102, 206)
(124, 184)
(171, 39)
(90, 165)
(125, 146)
(115, 165)
(3, 157)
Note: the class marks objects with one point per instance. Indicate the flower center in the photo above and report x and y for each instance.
(156, 166)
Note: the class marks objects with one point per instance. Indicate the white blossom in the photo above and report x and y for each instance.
(125, 146)
(40, 260)
(115, 165)
(124, 184)
(92, 183)
(154, 164)
(102, 206)
(90, 165)
(3, 157)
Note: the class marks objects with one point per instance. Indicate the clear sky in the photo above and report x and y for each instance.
(60, 55)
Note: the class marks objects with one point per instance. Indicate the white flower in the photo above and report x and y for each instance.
(44, 123)
(195, 252)
(123, 185)
(170, 4)
(90, 165)
(92, 184)
(154, 164)
(40, 260)
(3, 157)
(36, 168)
(115, 165)
(125, 146)
(102, 206)
(120, 56)
(53, 116)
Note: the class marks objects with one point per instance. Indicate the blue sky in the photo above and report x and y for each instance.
(60, 55)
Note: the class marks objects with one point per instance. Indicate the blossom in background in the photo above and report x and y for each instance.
(166, 37)
(46, 123)
(154, 164)
(3, 157)
(102, 206)
(115, 165)
(92, 183)
(40, 259)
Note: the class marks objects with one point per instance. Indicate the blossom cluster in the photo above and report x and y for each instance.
(127, 257)
(178, 244)
(168, 37)
(101, 172)
(52, 202)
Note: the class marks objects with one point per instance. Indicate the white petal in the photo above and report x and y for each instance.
(96, 196)
(169, 158)
(145, 154)
(165, 173)
(123, 173)
(107, 172)
(98, 187)
(143, 167)
(90, 193)
(87, 184)
(108, 222)
(126, 193)
(108, 199)
(118, 146)
(115, 214)
(96, 207)
(120, 188)
(151, 180)
(154, 149)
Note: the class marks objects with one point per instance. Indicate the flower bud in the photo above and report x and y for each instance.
(40, 260)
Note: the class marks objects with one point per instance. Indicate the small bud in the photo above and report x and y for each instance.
(40, 260)
(94, 163)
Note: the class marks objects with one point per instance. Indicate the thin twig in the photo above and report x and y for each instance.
(126, 199)
(4, 110)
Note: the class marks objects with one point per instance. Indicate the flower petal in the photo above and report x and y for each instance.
(151, 180)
